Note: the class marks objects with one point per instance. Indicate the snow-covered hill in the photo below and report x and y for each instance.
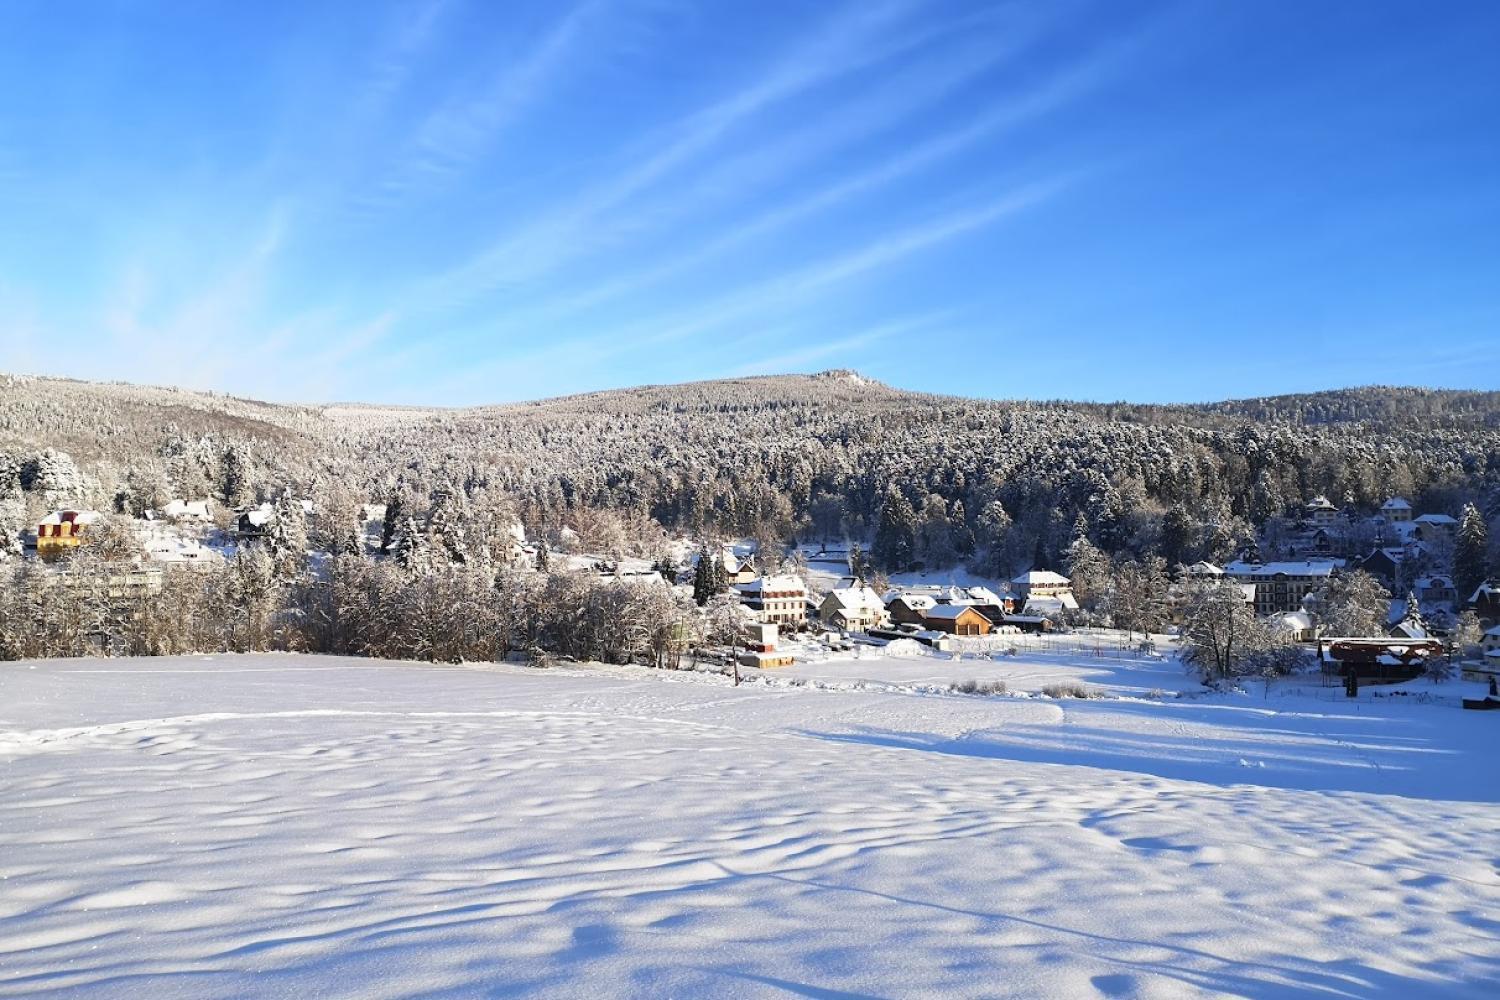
(304, 826)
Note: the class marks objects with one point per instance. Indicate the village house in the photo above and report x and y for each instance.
(738, 571)
(1396, 509)
(1490, 642)
(1436, 528)
(909, 608)
(253, 522)
(1281, 586)
(1383, 564)
(164, 545)
(1320, 512)
(188, 510)
(778, 600)
(1435, 593)
(1043, 592)
(852, 609)
(1295, 625)
(1485, 601)
(61, 531)
(957, 619)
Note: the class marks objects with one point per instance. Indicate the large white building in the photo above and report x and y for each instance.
(1281, 586)
(775, 600)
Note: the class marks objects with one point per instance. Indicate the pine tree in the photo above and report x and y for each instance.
(395, 514)
(934, 548)
(709, 578)
(234, 475)
(410, 547)
(286, 539)
(963, 535)
(1471, 554)
(895, 538)
(859, 565)
(448, 526)
(1413, 613)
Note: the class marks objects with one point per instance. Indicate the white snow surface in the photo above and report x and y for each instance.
(320, 827)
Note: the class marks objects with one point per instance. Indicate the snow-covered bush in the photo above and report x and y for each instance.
(972, 686)
(1071, 689)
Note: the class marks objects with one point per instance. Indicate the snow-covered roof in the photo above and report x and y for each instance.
(71, 517)
(947, 611)
(856, 599)
(1051, 605)
(1203, 568)
(1493, 631)
(984, 595)
(1043, 577)
(1487, 589)
(1320, 503)
(1442, 519)
(1296, 620)
(917, 602)
(1434, 583)
(1396, 503)
(1306, 567)
(187, 508)
(778, 583)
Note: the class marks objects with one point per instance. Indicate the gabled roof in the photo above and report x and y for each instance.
(855, 599)
(1043, 577)
(772, 583)
(1396, 503)
(1297, 620)
(984, 595)
(1319, 503)
(1050, 605)
(948, 611)
(1203, 568)
(1487, 589)
(71, 517)
(1443, 519)
(917, 602)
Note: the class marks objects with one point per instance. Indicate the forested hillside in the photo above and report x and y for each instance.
(998, 483)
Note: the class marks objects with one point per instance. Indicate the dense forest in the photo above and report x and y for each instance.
(1002, 485)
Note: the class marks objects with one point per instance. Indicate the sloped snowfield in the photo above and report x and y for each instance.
(300, 826)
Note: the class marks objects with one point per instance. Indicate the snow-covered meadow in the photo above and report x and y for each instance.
(305, 826)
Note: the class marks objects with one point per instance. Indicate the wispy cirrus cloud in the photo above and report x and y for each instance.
(989, 124)
(468, 124)
(854, 40)
(765, 301)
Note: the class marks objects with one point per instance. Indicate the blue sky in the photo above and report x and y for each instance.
(464, 201)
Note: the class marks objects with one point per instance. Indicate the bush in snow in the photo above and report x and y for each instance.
(1071, 689)
(972, 686)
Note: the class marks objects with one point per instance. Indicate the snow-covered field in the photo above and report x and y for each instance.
(303, 826)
